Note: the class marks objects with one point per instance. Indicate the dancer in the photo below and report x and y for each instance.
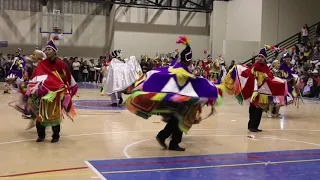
(206, 65)
(223, 68)
(50, 91)
(120, 76)
(255, 83)
(215, 72)
(16, 71)
(176, 94)
(278, 101)
(291, 78)
(104, 71)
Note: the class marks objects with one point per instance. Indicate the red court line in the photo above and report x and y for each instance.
(169, 162)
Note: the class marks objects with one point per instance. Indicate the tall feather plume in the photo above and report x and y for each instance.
(183, 40)
(274, 48)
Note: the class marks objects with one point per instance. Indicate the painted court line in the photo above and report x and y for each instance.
(41, 174)
(125, 150)
(48, 176)
(206, 167)
(95, 170)
(115, 132)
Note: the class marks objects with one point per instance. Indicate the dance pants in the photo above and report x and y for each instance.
(172, 129)
(255, 115)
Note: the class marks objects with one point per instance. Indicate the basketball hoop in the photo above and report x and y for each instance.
(57, 30)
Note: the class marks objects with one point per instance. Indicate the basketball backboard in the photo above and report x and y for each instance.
(56, 23)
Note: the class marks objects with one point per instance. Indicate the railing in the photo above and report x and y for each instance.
(288, 43)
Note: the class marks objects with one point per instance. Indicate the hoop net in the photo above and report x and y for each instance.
(57, 30)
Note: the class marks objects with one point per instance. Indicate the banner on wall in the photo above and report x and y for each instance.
(4, 44)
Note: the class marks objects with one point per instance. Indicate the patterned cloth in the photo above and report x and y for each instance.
(293, 83)
(173, 91)
(254, 83)
(49, 93)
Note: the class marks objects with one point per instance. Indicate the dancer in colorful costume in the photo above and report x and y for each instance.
(50, 91)
(16, 71)
(121, 75)
(275, 101)
(255, 83)
(176, 94)
(215, 73)
(206, 65)
(284, 72)
(291, 78)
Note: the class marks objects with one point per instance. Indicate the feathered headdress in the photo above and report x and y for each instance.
(186, 54)
(274, 48)
(183, 40)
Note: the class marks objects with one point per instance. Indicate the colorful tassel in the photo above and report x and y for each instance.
(102, 91)
(50, 96)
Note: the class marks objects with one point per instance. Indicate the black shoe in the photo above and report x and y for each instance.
(161, 142)
(40, 140)
(114, 105)
(55, 140)
(253, 130)
(176, 148)
(120, 100)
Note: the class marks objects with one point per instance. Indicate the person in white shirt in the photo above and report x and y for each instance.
(76, 69)
(305, 34)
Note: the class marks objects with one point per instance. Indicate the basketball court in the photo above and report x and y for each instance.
(114, 144)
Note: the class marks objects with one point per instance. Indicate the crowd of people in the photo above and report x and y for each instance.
(305, 62)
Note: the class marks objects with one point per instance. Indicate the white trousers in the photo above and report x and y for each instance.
(115, 97)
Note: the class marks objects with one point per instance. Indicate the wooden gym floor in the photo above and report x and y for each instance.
(104, 143)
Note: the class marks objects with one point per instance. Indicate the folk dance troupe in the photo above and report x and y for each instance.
(178, 93)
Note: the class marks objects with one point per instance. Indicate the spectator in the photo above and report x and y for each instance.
(76, 69)
(85, 71)
(91, 71)
(305, 34)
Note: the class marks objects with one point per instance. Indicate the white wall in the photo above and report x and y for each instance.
(244, 20)
(148, 31)
(236, 29)
(218, 27)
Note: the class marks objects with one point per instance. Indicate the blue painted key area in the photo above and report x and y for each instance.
(284, 165)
